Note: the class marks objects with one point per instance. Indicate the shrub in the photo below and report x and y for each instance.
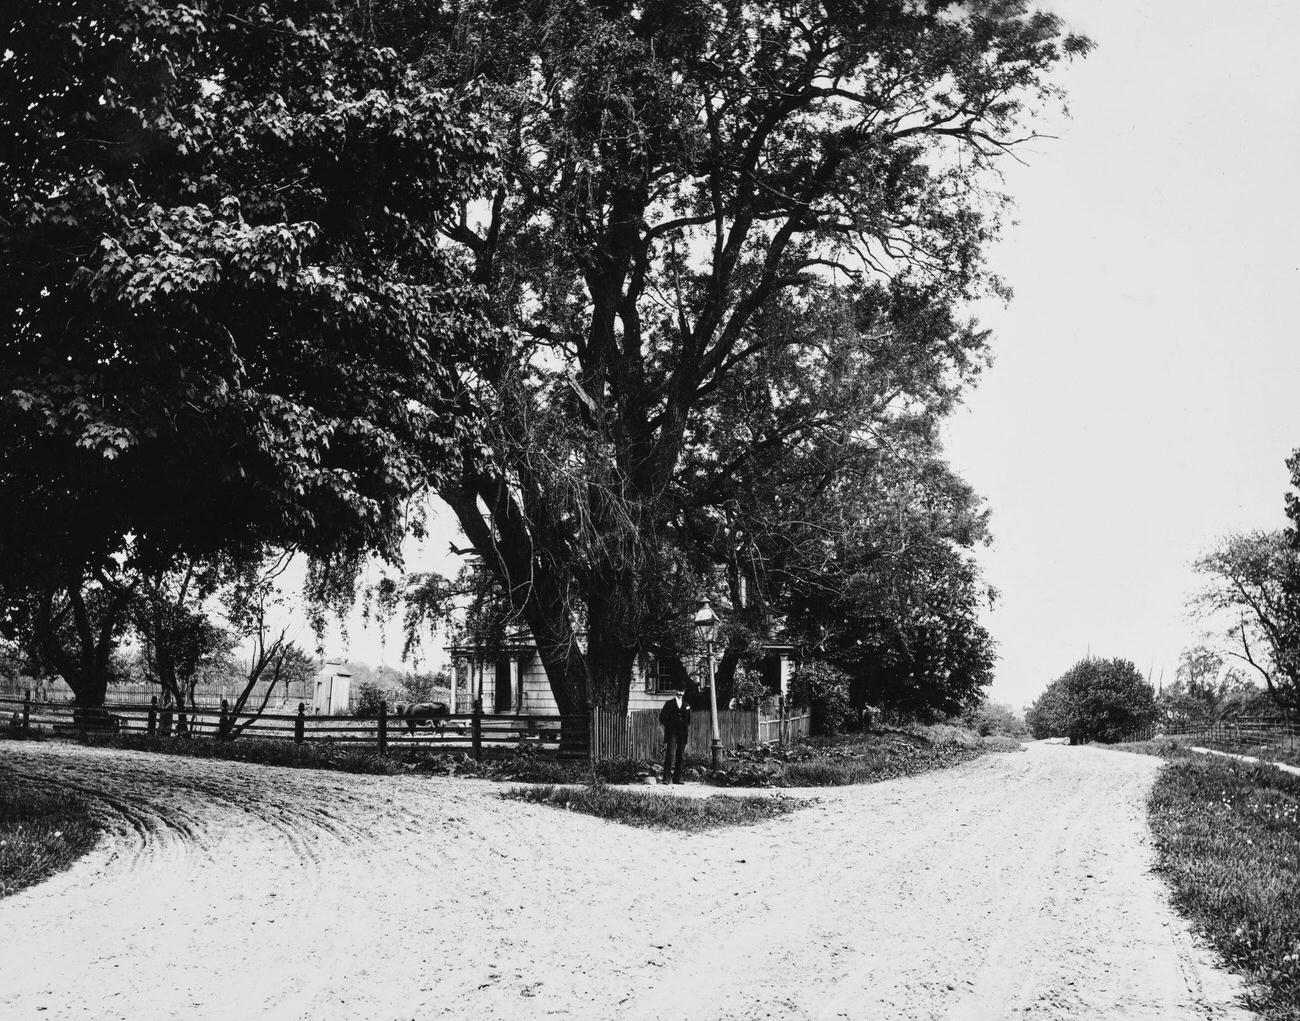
(425, 687)
(993, 719)
(824, 691)
(749, 691)
(370, 696)
(1095, 700)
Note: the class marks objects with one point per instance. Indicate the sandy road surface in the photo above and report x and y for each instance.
(1013, 886)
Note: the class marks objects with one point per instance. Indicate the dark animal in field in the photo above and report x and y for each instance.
(418, 714)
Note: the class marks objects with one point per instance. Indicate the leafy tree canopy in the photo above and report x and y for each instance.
(1253, 585)
(676, 175)
(1095, 700)
(225, 317)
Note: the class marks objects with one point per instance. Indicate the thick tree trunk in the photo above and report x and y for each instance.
(724, 676)
(609, 665)
(84, 662)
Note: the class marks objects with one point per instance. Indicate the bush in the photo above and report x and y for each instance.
(749, 691)
(824, 691)
(1095, 700)
(993, 719)
(370, 696)
(426, 687)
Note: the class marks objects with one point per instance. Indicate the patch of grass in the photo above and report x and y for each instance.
(1280, 750)
(42, 831)
(661, 811)
(851, 758)
(1228, 840)
(1000, 743)
(1163, 747)
(497, 764)
(819, 762)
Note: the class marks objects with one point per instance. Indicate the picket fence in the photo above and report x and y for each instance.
(638, 735)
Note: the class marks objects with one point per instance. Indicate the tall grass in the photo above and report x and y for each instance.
(660, 811)
(1228, 839)
(42, 831)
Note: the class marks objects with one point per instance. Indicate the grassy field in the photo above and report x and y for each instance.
(1228, 840)
(42, 831)
(663, 811)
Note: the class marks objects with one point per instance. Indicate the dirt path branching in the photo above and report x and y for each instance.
(1009, 886)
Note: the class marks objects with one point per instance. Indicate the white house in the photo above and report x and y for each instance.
(513, 680)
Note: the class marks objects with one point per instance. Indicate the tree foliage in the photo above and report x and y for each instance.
(227, 319)
(1253, 585)
(1095, 700)
(1205, 688)
(683, 181)
(824, 691)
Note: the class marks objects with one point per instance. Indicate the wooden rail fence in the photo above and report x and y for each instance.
(600, 735)
(1246, 730)
(471, 732)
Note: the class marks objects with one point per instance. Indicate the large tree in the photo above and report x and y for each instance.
(226, 318)
(673, 171)
(1253, 587)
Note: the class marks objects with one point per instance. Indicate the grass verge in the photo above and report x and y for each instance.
(1228, 842)
(856, 758)
(497, 764)
(42, 831)
(820, 762)
(660, 811)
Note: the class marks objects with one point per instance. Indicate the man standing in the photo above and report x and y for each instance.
(675, 717)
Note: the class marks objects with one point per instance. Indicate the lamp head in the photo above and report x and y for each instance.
(706, 622)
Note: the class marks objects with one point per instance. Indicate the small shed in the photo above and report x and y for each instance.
(332, 691)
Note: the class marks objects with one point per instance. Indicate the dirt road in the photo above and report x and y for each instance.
(1014, 886)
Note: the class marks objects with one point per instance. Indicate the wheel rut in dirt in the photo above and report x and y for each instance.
(1016, 885)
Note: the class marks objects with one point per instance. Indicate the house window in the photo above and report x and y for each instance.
(661, 677)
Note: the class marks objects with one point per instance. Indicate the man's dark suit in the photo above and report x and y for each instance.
(676, 721)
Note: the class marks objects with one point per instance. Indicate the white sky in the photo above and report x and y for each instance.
(1142, 399)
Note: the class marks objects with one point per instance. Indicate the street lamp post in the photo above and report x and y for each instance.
(706, 624)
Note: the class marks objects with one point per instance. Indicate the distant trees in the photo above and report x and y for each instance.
(1095, 700)
(1204, 687)
(1253, 583)
(995, 719)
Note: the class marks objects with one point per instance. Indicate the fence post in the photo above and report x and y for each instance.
(780, 721)
(153, 715)
(383, 724)
(79, 715)
(27, 709)
(223, 721)
(476, 728)
(300, 724)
